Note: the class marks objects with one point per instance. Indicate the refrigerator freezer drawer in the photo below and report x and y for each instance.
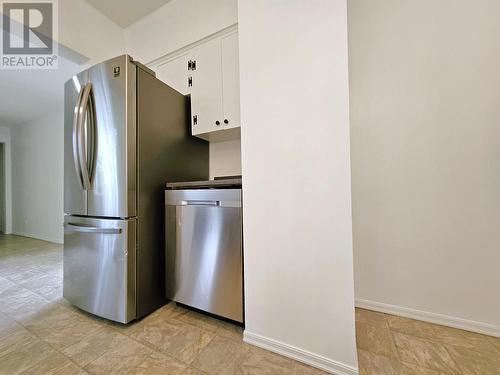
(204, 261)
(99, 266)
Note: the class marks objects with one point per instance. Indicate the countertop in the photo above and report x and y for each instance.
(209, 184)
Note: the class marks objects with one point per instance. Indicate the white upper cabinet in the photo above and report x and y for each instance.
(175, 74)
(209, 72)
(206, 92)
(230, 81)
(215, 91)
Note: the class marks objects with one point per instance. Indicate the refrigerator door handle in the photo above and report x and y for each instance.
(93, 133)
(89, 229)
(76, 135)
(86, 150)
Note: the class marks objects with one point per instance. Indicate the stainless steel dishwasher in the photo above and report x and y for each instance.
(204, 258)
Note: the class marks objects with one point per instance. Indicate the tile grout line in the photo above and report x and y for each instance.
(201, 351)
(447, 345)
(419, 338)
(155, 349)
(50, 345)
(398, 359)
(41, 339)
(398, 355)
(457, 365)
(188, 364)
(98, 357)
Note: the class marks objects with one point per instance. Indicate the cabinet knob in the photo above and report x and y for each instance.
(226, 121)
(217, 122)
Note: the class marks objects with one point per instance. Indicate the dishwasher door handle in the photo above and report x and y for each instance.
(200, 203)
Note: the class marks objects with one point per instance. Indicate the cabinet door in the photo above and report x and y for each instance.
(206, 92)
(175, 73)
(230, 81)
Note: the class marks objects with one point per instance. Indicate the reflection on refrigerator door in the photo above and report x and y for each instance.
(99, 266)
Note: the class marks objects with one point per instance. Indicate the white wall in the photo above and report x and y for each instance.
(5, 140)
(37, 177)
(87, 31)
(177, 24)
(425, 94)
(296, 179)
(225, 158)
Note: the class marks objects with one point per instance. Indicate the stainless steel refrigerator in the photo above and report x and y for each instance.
(126, 134)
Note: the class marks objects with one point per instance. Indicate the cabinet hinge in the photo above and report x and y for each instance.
(195, 120)
(190, 65)
(193, 65)
(190, 81)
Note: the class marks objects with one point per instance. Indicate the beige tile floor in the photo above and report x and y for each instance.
(40, 333)
(392, 345)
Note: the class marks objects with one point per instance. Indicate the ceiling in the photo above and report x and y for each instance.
(126, 12)
(25, 94)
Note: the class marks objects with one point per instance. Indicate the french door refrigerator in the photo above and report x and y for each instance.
(126, 134)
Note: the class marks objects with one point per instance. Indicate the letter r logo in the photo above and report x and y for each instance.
(27, 28)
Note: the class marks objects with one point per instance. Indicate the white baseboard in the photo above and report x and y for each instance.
(300, 355)
(39, 237)
(445, 320)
